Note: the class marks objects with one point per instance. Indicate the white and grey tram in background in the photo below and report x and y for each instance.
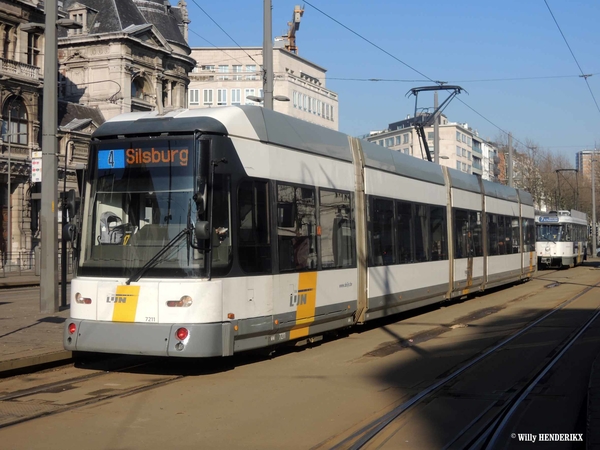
(212, 231)
(562, 238)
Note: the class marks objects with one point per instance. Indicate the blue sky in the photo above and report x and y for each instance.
(459, 42)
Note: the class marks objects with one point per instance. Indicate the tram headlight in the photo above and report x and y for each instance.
(82, 300)
(184, 302)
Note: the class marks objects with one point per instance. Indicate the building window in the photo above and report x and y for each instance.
(221, 97)
(138, 86)
(79, 17)
(332, 113)
(458, 166)
(458, 151)
(380, 142)
(406, 151)
(430, 135)
(398, 140)
(236, 96)
(405, 138)
(458, 136)
(389, 142)
(464, 138)
(319, 108)
(464, 167)
(251, 68)
(249, 92)
(14, 121)
(33, 49)
(464, 152)
(237, 70)
(223, 69)
(194, 96)
(208, 68)
(207, 97)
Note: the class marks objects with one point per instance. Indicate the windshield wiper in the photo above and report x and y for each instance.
(156, 258)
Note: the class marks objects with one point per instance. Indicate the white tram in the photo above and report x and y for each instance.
(561, 238)
(310, 231)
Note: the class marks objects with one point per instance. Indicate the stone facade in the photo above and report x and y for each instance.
(129, 55)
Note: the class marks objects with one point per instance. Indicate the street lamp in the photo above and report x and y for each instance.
(49, 219)
(279, 98)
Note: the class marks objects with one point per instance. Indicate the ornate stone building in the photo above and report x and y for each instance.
(129, 55)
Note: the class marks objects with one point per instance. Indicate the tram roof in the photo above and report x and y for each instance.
(255, 122)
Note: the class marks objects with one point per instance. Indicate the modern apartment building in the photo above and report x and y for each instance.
(228, 76)
(460, 146)
(583, 163)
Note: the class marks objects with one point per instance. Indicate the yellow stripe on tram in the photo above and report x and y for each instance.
(126, 300)
(307, 304)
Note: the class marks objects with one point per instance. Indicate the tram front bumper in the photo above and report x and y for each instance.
(203, 340)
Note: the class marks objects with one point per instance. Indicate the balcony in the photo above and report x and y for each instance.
(12, 68)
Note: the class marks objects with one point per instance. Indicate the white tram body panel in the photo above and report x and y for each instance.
(306, 245)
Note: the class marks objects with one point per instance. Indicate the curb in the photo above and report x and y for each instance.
(33, 362)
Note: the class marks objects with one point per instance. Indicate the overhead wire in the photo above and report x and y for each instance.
(223, 30)
(583, 75)
(407, 65)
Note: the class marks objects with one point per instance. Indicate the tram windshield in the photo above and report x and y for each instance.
(552, 233)
(141, 197)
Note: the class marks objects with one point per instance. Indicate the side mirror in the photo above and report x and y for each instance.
(199, 200)
(201, 230)
(69, 231)
(72, 203)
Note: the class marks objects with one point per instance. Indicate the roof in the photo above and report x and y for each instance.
(72, 116)
(113, 16)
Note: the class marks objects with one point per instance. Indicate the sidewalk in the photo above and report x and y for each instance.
(28, 337)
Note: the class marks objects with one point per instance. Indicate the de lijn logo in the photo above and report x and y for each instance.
(119, 298)
(298, 298)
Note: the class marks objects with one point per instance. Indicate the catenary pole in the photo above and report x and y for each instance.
(49, 253)
(267, 57)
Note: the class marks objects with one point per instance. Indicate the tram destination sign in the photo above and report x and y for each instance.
(548, 219)
(135, 157)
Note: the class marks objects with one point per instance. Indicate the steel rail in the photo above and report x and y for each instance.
(379, 424)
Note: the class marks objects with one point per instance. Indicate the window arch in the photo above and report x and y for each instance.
(14, 121)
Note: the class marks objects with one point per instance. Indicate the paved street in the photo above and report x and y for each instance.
(298, 399)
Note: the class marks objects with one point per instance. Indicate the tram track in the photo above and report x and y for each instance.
(489, 423)
(28, 403)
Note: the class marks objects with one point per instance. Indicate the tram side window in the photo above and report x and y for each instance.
(404, 233)
(422, 235)
(221, 242)
(475, 221)
(568, 232)
(337, 229)
(296, 228)
(493, 236)
(254, 239)
(462, 234)
(439, 248)
(382, 232)
(528, 235)
(516, 238)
